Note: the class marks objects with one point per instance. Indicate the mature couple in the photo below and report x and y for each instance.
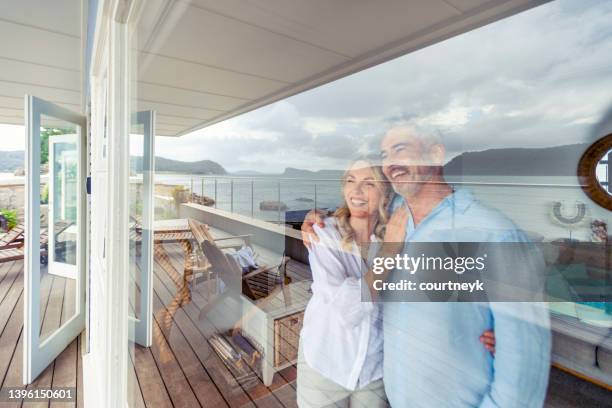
(413, 354)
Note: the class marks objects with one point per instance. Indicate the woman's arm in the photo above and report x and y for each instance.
(333, 282)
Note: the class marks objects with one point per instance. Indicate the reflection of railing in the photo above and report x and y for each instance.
(264, 197)
(260, 197)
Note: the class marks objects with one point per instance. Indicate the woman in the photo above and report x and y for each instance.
(341, 342)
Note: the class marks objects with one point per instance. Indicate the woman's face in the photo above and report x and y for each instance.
(362, 192)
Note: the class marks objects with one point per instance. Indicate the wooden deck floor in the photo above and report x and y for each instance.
(66, 370)
(181, 369)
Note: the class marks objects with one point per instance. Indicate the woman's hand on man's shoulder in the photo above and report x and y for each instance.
(315, 216)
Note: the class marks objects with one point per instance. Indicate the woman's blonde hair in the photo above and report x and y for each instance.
(343, 213)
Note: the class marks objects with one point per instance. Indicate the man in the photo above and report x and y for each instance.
(431, 350)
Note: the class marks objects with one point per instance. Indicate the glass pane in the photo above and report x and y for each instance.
(59, 223)
(136, 217)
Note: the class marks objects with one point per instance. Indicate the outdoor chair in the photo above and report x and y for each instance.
(257, 283)
(13, 249)
(197, 263)
(13, 238)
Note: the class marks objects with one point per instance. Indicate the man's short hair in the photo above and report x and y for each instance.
(428, 136)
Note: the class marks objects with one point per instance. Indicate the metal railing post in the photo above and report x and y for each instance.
(202, 187)
(252, 198)
(315, 196)
(215, 192)
(279, 202)
(232, 195)
(191, 189)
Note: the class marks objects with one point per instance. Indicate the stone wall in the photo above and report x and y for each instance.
(12, 197)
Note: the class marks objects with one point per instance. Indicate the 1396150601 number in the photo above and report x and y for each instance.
(64, 394)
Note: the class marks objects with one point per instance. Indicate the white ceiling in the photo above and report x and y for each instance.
(203, 61)
(40, 54)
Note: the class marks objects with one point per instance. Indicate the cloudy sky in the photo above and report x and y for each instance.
(540, 78)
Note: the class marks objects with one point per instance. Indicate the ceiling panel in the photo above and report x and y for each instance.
(210, 38)
(39, 46)
(467, 5)
(48, 92)
(197, 77)
(229, 57)
(40, 54)
(178, 110)
(348, 27)
(149, 92)
(62, 16)
(36, 74)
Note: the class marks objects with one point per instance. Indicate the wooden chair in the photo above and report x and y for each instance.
(256, 284)
(198, 264)
(13, 238)
(14, 250)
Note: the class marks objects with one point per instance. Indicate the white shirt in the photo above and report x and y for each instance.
(342, 336)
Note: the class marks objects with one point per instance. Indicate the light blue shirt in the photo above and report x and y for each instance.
(432, 353)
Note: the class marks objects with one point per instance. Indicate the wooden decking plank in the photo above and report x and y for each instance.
(13, 377)
(153, 388)
(181, 393)
(146, 374)
(65, 372)
(80, 403)
(6, 267)
(198, 381)
(135, 398)
(10, 337)
(201, 383)
(51, 322)
(12, 275)
(9, 302)
(207, 357)
(261, 395)
(66, 364)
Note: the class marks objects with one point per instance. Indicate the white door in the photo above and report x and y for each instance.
(54, 304)
(142, 166)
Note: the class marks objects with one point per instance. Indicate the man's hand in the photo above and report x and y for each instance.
(488, 340)
(315, 216)
(395, 232)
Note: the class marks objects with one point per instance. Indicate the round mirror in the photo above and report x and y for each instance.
(595, 173)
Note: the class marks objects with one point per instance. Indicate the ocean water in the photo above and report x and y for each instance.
(243, 195)
(528, 201)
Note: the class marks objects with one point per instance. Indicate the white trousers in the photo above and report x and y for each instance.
(316, 391)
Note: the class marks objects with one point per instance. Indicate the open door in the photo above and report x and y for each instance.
(55, 263)
(142, 166)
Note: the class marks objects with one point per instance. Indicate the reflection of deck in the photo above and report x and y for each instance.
(66, 371)
(181, 369)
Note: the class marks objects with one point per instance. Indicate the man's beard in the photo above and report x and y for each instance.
(411, 188)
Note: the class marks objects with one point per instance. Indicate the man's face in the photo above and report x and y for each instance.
(406, 162)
